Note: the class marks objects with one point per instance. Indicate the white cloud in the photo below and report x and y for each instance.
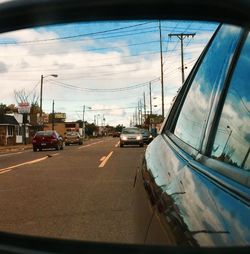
(76, 65)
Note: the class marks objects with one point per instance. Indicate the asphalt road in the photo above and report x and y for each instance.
(82, 192)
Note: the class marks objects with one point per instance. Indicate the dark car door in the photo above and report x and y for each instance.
(196, 172)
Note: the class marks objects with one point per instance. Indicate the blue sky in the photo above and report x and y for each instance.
(99, 55)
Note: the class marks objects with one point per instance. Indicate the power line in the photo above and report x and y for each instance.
(98, 38)
(120, 89)
(74, 36)
(90, 50)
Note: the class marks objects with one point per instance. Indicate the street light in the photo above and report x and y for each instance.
(230, 132)
(41, 92)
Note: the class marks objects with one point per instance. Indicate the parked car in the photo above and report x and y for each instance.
(187, 175)
(47, 139)
(196, 172)
(131, 136)
(73, 137)
(146, 136)
(116, 134)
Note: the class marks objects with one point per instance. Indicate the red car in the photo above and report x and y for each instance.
(47, 139)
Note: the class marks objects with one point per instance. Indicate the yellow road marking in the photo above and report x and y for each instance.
(105, 160)
(117, 144)
(90, 144)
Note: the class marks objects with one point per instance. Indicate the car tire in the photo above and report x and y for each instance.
(141, 145)
(121, 145)
(61, 148)
(57, 147)
(34, 149)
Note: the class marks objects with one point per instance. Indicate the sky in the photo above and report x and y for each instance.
(106, 66)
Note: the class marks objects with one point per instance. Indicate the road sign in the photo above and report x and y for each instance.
(23, 108)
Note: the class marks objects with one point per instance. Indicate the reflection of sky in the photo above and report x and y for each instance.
(212, 209)
(209, 78)
(233, 136)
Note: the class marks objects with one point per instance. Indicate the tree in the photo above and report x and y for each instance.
(119, 128)
(2, 109)
(90, 128)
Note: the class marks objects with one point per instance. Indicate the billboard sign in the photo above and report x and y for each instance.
(23, 108)
(60, 115)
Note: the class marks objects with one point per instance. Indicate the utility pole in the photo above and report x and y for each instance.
(139, 112)
(136, 116)
(41, 98)
(162, 81)
(41, 93)
(181, 37)
(144, 104)
(150, 98)
(53, 115)
(83, 121)
(103, 119)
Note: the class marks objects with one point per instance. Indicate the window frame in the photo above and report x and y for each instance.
(174, 113)
(202, 158)
(235, 173)
(10, 130)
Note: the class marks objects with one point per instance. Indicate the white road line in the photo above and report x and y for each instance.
(117, 144)
(90, 144)
(55, 154)
(5, 170)
(105, 160)
(24, 163)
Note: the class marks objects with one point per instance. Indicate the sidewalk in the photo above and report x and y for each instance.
(15, 148)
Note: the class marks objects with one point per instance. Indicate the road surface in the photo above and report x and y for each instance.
(82, 192)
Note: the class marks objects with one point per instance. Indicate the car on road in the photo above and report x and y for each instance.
(197, 182)
(196, 172)
(131, 136)
(73, 137)
(116, 134)
(146, 136)
(47, 140)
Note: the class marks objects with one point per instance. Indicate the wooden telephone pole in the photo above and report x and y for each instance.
(182, 36)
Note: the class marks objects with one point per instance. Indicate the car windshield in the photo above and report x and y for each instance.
(44, 133)
(71, 134)
(145, 132)
(130, 131)
(96, 80)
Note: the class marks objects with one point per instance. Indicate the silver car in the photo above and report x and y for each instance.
(131, 136)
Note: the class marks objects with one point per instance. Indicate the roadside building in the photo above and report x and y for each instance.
(22, 131)
(8, 130)
(63, 127)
